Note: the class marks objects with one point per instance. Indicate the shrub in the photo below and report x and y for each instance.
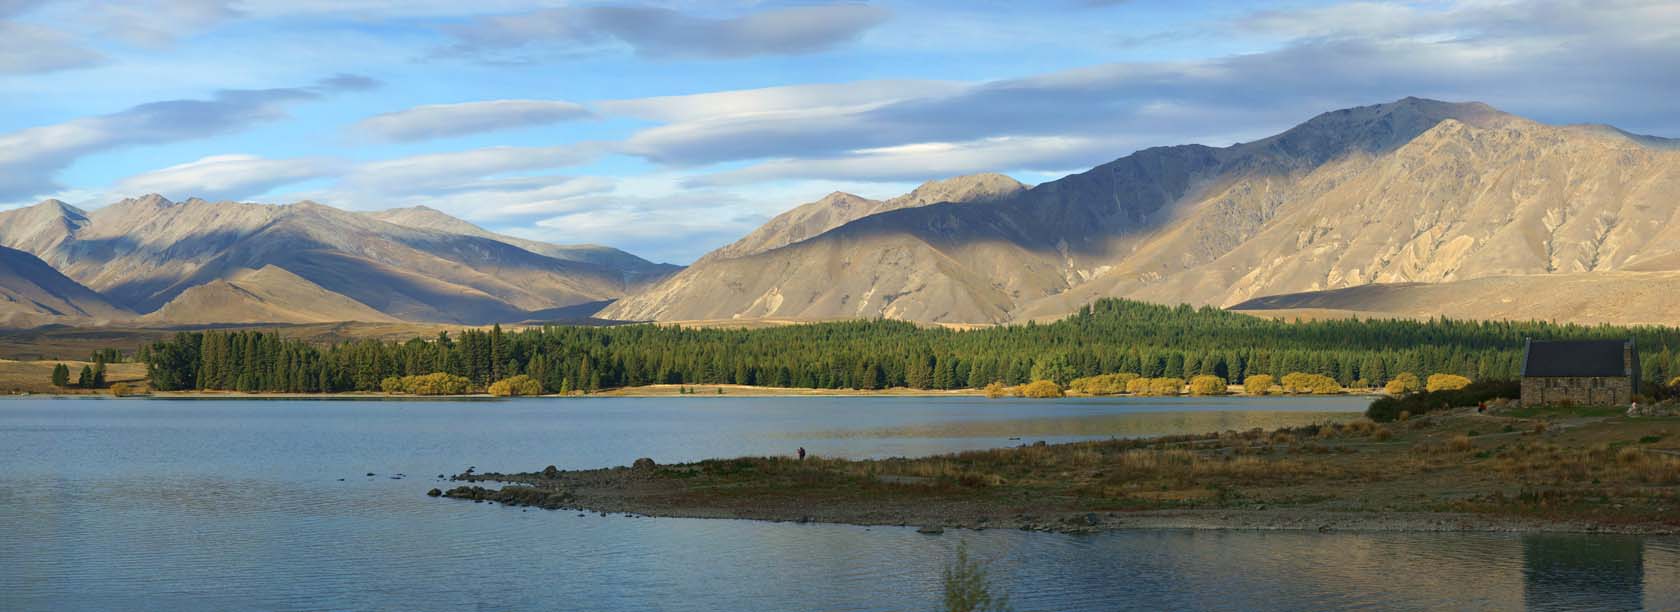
(1207, 385)
(1259, 384)
(996, 390)
(1103, 384)
(436, 383)
(1403, 383)
(1297, 382)
(1138, 386)
(1041, 389)
(391, 384)
(122, 390)
(1386, 409)
(1164, 386)
(516, 386)
(1447, 382)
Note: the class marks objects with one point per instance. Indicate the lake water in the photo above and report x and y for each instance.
(265, 505)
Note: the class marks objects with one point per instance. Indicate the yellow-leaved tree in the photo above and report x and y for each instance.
(1259, 384)
(1042, 389)
(1403, 383)
(1207, 384)
(516, 386)
(1447, 382)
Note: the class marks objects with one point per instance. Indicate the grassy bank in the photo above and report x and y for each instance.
(1459, 470)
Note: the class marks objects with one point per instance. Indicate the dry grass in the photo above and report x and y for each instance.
(36, 376)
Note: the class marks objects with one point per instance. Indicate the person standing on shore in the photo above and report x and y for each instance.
(801, 453)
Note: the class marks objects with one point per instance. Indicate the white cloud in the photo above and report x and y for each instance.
(29, 49)
(460, 170)
(224, 177)
(661, 32)
(749, 102)
(1561, 61)
(29, 158)
(445, 120)
(925, 161)
(158, 23)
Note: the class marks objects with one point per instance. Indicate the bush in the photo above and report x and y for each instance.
(1386, 409)
(1297, 382)
(1042, 389)
(1104, 384)
(1447, 382)
(1258, 384)
(1138, 386)
(1207, 385)
(122, 390)
(1403, 383)
(436, 383)
(1166, 386)
(516, 386)
(996, 390)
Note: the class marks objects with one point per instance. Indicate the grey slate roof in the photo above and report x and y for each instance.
(1577, 358)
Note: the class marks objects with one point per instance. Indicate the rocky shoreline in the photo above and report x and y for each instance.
(649, 490)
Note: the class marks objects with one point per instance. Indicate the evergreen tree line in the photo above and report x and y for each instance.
(1106, 337)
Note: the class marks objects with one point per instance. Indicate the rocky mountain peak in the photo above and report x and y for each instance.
(981, 187)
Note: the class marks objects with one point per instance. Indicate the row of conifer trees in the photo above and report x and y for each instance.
(1106, 337)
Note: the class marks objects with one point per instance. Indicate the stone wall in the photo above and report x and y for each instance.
(1585, 390)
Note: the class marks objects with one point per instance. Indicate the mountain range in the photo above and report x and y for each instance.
(1404, 195)
(1411, 208)
(199, 262)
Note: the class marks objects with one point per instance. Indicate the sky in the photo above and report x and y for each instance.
(671, 128)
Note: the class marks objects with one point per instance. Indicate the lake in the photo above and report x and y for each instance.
(209, 504)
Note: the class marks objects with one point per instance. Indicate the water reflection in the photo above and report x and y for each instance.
(1577, 572)
(204, 506)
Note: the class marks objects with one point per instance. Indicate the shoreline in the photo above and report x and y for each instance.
(1570, 474)
(698, 391)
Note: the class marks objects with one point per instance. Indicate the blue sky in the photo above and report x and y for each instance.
(670, 128)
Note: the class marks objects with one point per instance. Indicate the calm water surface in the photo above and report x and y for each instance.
(265, 505)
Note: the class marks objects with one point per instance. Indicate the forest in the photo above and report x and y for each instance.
(1109, 336)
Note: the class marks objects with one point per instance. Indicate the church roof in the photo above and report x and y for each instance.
(1555, 358)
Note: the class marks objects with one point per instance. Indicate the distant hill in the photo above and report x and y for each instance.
(1412, 191)
(32, 293)
(310, 262)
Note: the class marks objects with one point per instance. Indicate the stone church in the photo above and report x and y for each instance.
(1587, 372)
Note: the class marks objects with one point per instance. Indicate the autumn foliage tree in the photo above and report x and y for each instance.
(1446, 382)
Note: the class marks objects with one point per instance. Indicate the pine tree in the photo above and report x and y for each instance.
(61, 376)
(85, 380)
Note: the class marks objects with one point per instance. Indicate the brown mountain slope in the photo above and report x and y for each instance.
(839, 208)
(32, 293)
(636, 271)
(145, 252)
(268, 295)
(1589, 298)
(1414, 190)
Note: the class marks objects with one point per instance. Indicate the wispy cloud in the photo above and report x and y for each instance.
(919, 162)
(225, 177)
(665, 33)
(29, 49)
(159, 23)
(445, 120)
(30, 158)
(455, 171)
(1618, 64)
